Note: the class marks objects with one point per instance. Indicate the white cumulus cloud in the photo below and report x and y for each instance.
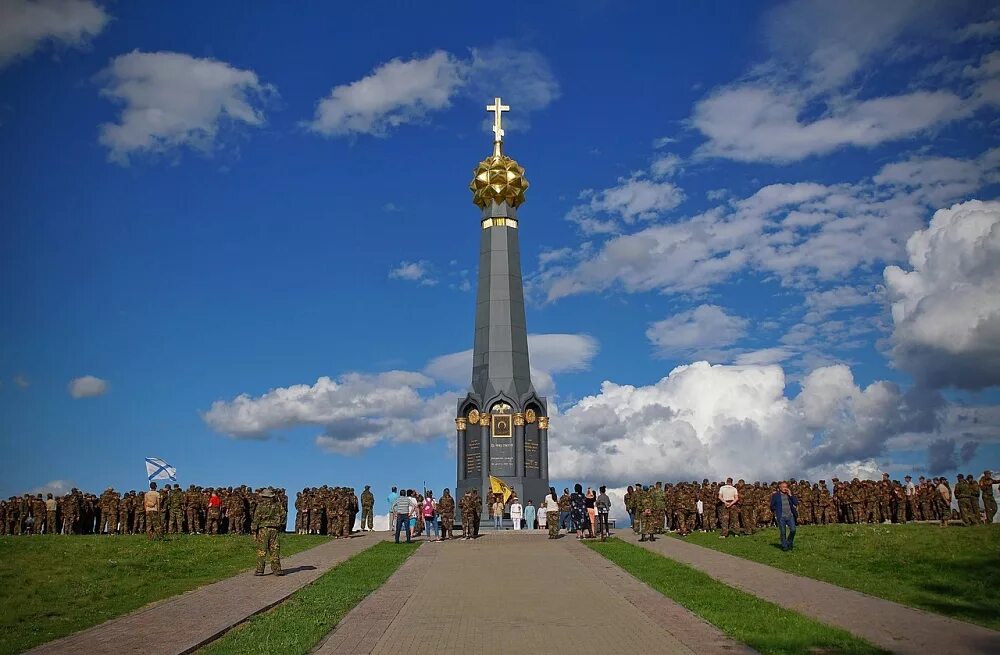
(717, 421)
(173, 100)
(946, 307)
(403, 91)
(418, 271)
(705, 326)
(27, 25)
(55, 487)
(87, 386)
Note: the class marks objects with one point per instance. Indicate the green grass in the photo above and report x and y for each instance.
(297, 625)
(768, 628)
(953, 571)
(55, 585)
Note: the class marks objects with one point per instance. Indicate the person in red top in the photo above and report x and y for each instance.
(214, 513)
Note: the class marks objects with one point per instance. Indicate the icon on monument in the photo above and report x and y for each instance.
(506, 435)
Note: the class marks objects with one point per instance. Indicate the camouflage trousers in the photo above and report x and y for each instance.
(212, 525)
(139, 522)
(468, 529)
(447, 526)
(193, 521)
(50, 523)
(552, 522)
(154, 525)
(268, 549)
(684, 520)
(826, 514)
(990, 505)
(968, 509)
(176, 521)
(748, 518)
(316, 519)
(649, 523)
(727, 518)
(367, 518)
(109, 520)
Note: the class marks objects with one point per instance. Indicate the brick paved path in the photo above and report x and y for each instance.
(183, 623)
(518, 593)
(892, 626)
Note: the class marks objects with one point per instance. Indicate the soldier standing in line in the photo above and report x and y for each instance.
(51, 507)
(368, 509)
(477, 512)
(989, 502)
(961, 494)
(236, 509)
(649, 514)
(445, 509)
(973, 489)
(265, 526)
(71, 512)
(176, 510)
(745, 509)
(192, 506)
(900, 502)
(39, 514)
(465, 505)
(352, 511)
(630, 505)
(942, 501)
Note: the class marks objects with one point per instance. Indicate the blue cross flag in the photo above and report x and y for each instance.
(157, 469)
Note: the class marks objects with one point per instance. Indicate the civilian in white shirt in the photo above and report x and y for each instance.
(729, 496)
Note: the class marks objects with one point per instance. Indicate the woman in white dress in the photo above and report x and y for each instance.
(516, 512)
(542, 515)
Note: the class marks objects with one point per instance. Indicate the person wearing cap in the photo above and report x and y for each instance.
(267, 522)
(911, 497)
(367, 509)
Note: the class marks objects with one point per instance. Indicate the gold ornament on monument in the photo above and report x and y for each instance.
(460, 424)
(543, 422)
(484, 420)
(529, 416)
(498, 178)
(474, 416)
(519, 419)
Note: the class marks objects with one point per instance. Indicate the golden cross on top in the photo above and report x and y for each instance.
(497, 108)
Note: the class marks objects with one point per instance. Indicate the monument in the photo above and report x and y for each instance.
(502, 424)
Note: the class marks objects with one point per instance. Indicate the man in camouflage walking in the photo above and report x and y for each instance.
(267, 522)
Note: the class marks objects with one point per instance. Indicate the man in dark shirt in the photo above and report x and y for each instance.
(784, 507)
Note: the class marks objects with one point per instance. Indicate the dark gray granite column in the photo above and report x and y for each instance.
(543, 447)
(519, 445)
(460, 428)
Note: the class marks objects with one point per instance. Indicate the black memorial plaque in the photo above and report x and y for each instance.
(532, 468)
(473, 454)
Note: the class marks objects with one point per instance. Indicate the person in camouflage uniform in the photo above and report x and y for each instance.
(236, 511)
(192, 508)
(630, 505)
(109, 512)
(368, 508)
(685, 508)
(650, 513)
(986, 483)
(974, 494)
(465, 505)
(176, 504)
(266, 524)
(71, 512)
(446, 510)
(745, 508)
(38, 514)
(899, 494)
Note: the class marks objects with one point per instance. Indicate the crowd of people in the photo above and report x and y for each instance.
(743, 508)
(213, 510)
(332, 510)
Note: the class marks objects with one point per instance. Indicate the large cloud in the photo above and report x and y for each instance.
(807, 99)
(173, 100)
(717, 421)
(26, 25)
(946, 308)
(705, 326)
(403, 91)
(357, 411)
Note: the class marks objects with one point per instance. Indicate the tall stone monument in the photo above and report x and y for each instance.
(502, 424)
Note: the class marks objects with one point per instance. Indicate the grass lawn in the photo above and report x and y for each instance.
(953, 571)
(769, 629)
(298, 624)
(55, 585)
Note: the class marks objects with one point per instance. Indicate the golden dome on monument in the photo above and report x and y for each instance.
(498, 178)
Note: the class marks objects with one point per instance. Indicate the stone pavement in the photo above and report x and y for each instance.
(185, 622)
(518, 593)
(891, 626)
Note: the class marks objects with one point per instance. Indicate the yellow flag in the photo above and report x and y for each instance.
(498, 486)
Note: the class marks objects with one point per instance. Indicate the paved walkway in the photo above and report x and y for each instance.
(892, 626)
(518, 593)
(183, 623)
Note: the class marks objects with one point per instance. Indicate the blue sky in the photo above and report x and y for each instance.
(242, 240)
